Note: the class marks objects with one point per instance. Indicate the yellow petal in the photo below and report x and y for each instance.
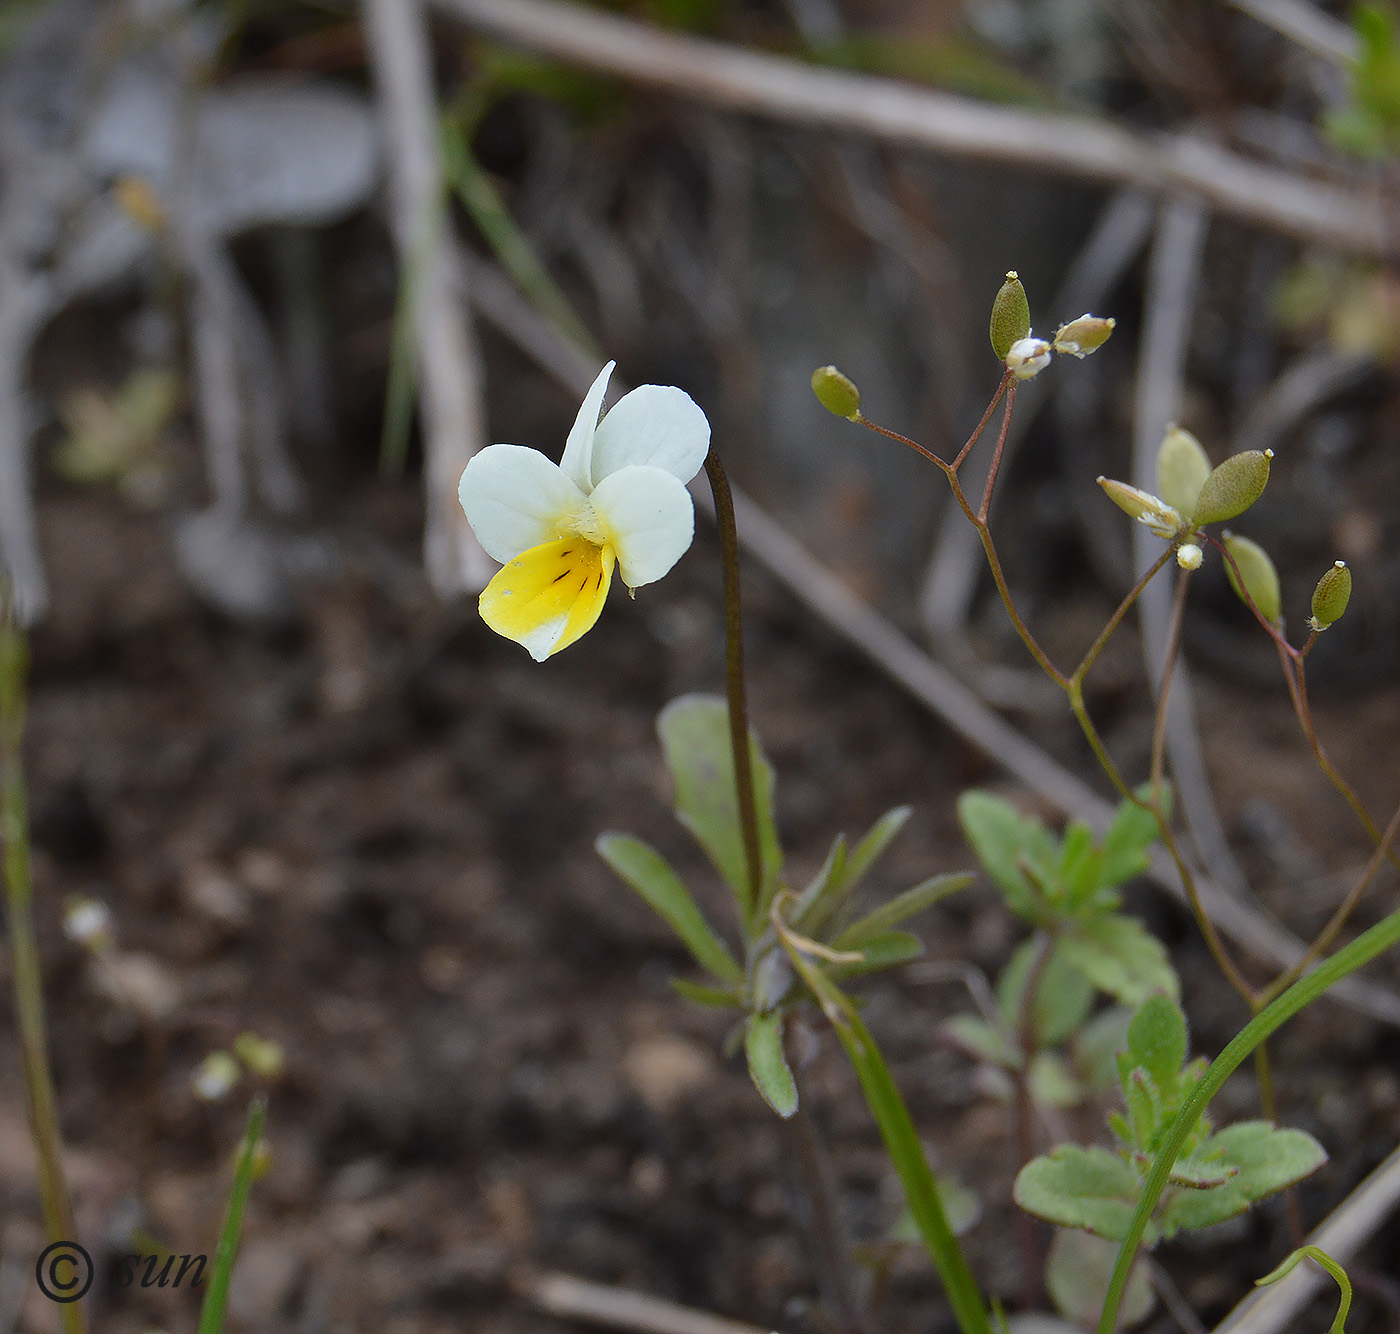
(549, 596)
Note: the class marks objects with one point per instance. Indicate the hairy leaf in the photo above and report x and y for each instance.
(1078, 1187)
(1119, 956)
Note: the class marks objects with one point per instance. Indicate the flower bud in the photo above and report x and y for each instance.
(1233, 487)
(216, 1076)
(1256, 574)
(1086, 334)
(89, 923)
(1182, 469)
(1160, 517)
(1330, 597)
(1189, 556)
(1011, 316)
(262, 1057)
(837, 393)
(1028, 357)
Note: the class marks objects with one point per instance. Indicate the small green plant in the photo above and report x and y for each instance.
(759, 980)
(1217, 1174)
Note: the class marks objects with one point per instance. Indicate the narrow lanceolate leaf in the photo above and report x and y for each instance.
(825, 893)
(891, 1114)
(714, 998)
(648, 872)
(872, 847)
(1078, 1187)
(881, 951)
(212, 1314)
(763, 1046)
(695, 738)
(900, 907)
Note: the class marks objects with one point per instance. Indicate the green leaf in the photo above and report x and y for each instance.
(695, 738)
(1157, 1040)
(961, 1205)
(882, 951)
(713, 998)
(1268, 1159)
(1118, 955)
(1127, 845)
(982, 1041)
(1077, 1271)
(825, 893)
(1052, 1082)
(902, 1144)
(648, 872)
(900, 907)
(1078, 1187)
(212, 1312)
(763, 1046)
(1080, 870)
(1002, 839)
(1098, 1043)
(1062, 999)
(1201, 1173)
(872, 847)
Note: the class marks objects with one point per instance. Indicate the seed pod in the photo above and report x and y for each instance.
(1330, 597)
(1080, 337)
(1160, 517)
(1182, 469)
(1011, 316)
(837, 393)
(1257, 574)
(1233, 487)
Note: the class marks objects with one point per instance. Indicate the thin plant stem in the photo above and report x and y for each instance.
(985, 508)
(1367, 946)
(1114, 621)
(734, 680)
(828, 1235)
(1032, 1289)
(54, 1198)
(982, 425)
(1164, 690)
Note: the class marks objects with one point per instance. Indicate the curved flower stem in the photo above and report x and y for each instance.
(1116, 619)
(985, 508)
(982, 425)
(1164, 689)
(1346, 961)
(24, 951)
(734, 681)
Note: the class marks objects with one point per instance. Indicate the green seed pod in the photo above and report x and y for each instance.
(1011, 316)
(1331, 596)
(1160, 517)
(1233, 487)
(837, 393)
(1258, 575)
(1182, 469)
(1080, 337)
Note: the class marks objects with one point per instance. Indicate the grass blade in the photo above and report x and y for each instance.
(211, 1316)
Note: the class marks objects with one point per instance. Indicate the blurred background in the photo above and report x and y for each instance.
(271, 270)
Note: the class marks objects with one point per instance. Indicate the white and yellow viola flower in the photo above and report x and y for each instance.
(617, 498)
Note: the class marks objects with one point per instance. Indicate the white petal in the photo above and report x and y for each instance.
(650, 519)
(655, 425)
(514, 498)
(578, 448)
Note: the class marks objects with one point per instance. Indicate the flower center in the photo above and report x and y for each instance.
(588, 524)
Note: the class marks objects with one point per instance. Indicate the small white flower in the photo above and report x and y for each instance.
(1028, 357)
(1163, 519)
(89, 923)
(217, 1074)
(1189, 556)
(617, 497)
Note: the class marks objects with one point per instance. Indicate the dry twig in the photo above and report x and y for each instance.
(448, 366)
(619, 1308)
(1078, 146)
